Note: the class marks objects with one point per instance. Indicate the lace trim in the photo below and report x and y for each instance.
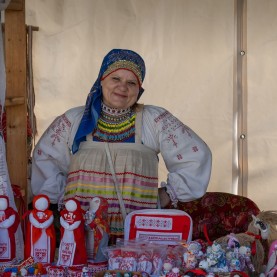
(171, 192)
(114, 111)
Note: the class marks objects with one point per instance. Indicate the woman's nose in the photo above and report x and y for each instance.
(123, 86)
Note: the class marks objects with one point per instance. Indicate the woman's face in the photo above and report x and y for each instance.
(120, 89)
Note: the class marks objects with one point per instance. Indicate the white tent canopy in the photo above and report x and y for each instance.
(188, 47)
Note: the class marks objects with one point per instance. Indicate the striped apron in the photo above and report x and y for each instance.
(136, 170)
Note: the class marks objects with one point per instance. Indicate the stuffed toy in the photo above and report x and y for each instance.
(260, 232)
(40, 241)
(72, 249)
(97, 229)
(9, 221)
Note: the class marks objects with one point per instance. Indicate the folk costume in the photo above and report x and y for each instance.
(100, 151)
(72, 250)
(40, 241)
(9, 221)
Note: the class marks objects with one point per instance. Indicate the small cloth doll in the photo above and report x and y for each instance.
(245, 259)
(72, 249)
(115, 258)
(144, 262)
(9, 221)
(129, 260)
(97, 228)
(216, 258)
(40, 242)
(157, 264)
(175, 272)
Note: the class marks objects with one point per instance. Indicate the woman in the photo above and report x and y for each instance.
(109, 148)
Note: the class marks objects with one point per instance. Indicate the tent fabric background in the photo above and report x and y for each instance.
(188, 48)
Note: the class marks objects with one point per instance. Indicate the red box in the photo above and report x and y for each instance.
(164, 226)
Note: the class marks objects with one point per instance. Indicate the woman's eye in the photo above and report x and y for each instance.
(116, 79)
(131, 83)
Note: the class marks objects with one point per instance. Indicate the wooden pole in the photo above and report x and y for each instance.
(16, 93)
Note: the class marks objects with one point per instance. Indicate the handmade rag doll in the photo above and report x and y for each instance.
(257, 237)
(72, 249)
(97, 228)
(40, 242)
(9, 221)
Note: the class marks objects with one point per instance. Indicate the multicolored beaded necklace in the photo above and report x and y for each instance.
(115, 125)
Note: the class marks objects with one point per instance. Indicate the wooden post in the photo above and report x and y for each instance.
(16, 93)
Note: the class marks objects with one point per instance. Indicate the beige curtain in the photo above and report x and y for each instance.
(188, 47)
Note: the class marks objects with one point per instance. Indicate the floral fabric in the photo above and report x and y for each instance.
(222, 213)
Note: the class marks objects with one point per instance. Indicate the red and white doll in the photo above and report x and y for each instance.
(72, 249)
(40, 242)
(9, 221)
(97, 228)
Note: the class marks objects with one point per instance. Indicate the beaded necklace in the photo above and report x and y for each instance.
(115, 125)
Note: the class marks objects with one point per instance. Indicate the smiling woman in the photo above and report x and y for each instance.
(120, 89)
(109, 148)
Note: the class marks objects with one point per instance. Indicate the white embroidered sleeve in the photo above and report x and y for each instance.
(187, 157)
(51, 155)
(50, 161)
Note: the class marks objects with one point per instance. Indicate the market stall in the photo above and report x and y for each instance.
(231, 229)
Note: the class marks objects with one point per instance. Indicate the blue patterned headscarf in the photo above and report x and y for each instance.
(114, 60)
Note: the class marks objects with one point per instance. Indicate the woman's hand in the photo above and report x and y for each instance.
(164, 197)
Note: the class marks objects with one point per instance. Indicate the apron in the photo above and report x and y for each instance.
(40, 250)
(67, 249)
(5, 246)
(136, 170)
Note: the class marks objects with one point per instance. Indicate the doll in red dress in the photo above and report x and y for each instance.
(40, 241)
(9, 221)
(72, 249)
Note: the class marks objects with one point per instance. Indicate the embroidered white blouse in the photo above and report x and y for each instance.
(187, 157)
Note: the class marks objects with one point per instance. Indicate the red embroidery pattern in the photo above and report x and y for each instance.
(109, 174)
(179, 157)
(186, 130)
(172, 138)
(3, 248)
(40, 254)
(58, 127)
(39, 151)
(161, 116)
(169, 124)
(194, 149)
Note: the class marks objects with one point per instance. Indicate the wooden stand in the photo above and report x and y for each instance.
(16, 93)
